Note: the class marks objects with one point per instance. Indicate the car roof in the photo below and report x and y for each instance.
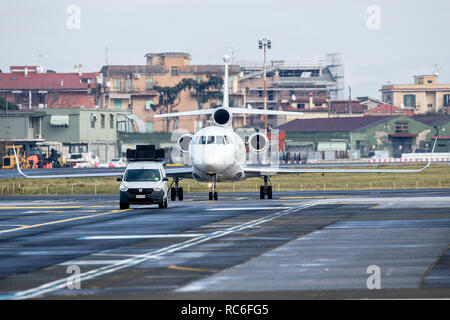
(144, 165)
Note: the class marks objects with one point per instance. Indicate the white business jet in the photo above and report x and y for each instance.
(218, 154)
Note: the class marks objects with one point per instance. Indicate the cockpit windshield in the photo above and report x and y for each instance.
(212, 140)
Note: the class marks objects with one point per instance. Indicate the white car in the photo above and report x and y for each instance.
(144, 182)
(117, 163)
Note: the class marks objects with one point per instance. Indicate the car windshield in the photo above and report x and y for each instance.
(142, 175)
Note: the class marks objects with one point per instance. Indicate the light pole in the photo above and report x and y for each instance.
(265, 44)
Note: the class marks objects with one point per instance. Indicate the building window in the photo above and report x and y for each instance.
(446, 100)
(128, 85)
(149, 83)
(260, 92)
(409, 100)
(118, 104)
(102, 121)
(401, 127)
(93, 120)
(430, 81)
(300, 106)
(174, 71)
(111, 121)
(430, 105)
(388, 99)
(116, 84)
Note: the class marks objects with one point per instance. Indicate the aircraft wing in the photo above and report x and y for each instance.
(268, 171)
(185, 113)
(255, 171)
(183, 172)
(231, 110)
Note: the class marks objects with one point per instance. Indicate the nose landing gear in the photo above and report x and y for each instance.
(176, 191)
(266, 189)
(213, 195)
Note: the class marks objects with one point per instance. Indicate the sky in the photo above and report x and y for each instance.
(380, 41)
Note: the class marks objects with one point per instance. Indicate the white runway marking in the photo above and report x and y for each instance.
(143, 236)
(88, 262)
(247, 208)
(155, 254)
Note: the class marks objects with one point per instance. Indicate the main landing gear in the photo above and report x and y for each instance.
(266, 189)
(176, 191)
(213, 195)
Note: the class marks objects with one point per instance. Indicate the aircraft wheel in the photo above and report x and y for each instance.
(216, 196)
(173, 194)
(180, 194)
(269, 192)
(210, 195)
(262, 192)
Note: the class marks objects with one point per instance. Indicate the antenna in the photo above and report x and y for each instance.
(106, 55)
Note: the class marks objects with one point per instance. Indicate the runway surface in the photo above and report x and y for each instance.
(300, 245)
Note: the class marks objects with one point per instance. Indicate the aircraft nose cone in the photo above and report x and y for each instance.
(214, 161)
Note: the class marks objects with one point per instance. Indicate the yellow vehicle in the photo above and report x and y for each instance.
(9, 161)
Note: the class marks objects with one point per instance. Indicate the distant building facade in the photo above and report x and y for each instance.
(424, 96)
(30, 87)
(396, 134)
(131, 87)
(301, 85)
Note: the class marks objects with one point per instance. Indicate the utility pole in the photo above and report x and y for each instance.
(265, 44)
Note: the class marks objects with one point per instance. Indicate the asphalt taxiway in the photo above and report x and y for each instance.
(298, 245)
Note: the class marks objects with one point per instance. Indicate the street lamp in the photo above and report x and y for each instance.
(265, 44)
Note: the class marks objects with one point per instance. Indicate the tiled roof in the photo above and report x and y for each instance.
(211, 68)
(432, 120)
(145, 69)
(46, 81)
(331, 124)
(387, 109)
(128, 69)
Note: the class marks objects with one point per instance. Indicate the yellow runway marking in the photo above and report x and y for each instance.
(189, 269)
(27, 207)
(61, 221)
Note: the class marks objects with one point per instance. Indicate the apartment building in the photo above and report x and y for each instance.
(424, 96)
(29, 87)
(132, 87)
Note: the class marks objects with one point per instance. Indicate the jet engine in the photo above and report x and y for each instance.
(258, 143)
(222, 117)
(184, 141)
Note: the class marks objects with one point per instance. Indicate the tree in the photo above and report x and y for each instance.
(169, 97)
(11, 106)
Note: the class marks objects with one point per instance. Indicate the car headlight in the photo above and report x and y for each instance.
(123, 188)
(158, 188)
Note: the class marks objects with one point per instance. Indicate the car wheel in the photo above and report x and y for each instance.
(124, 206)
